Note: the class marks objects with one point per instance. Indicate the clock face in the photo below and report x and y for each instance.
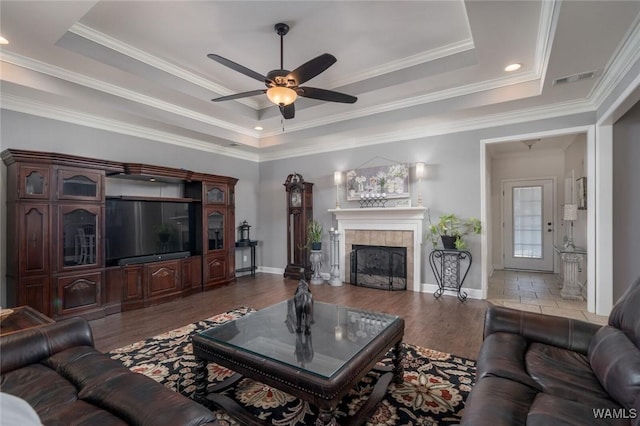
(296, 199)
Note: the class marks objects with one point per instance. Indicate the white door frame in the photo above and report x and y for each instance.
(597, 290)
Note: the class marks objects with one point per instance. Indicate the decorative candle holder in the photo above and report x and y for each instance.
(373, 200)
(334, 237)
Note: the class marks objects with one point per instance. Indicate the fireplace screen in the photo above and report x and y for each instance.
(379, 267)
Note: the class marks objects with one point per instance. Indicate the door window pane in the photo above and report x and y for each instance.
(527, 222)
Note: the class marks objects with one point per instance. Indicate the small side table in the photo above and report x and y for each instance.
(252, 245)
(571, 258)
(23, 318)
(446, 266)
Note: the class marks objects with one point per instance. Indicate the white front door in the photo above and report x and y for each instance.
(528, 224)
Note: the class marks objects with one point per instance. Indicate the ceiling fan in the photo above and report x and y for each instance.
(283, 86)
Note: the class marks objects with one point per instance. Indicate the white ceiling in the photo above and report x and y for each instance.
(417, 67)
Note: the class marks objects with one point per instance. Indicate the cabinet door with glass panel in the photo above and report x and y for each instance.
(215, 226)
(215, 193)
(33, 182)
(79, 236)
(79, 184)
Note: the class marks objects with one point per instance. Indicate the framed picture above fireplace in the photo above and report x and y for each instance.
(393, 181)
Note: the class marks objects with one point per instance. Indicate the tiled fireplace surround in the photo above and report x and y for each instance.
(394, 227)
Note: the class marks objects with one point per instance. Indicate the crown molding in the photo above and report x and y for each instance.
(451, 127)
(118, 91)
(625, 56)
(27, 106)
(409, 61)
(549, 13)
(153, 61)
(410, 102)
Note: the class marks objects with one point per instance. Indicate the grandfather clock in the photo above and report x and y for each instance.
(299, 213)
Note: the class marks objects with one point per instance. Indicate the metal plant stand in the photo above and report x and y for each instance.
(446, 266)
(335, 259)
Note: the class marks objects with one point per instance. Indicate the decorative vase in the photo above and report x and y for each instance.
(316, 246)
(316, 264)
(449, 242)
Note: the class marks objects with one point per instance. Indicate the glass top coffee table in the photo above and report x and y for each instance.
(321, 367)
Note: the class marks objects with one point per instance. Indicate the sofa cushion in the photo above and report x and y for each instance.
(79, 413)
(40, 386)
(616, 363)
(551, 410)
(565, 374)
(503, 355)
(495, 401)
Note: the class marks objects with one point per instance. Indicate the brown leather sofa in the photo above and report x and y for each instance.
(538, 369)
(56, 369)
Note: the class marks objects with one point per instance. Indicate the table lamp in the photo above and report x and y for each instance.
(570, 215)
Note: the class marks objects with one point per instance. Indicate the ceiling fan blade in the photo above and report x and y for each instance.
(288, 111)
(325, 95)
(240, 95)
(237, 67)
(312, 68)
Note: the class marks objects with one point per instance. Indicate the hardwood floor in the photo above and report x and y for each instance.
(442, 324)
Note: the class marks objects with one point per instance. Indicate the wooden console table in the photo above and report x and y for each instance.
(23, 318)
(252, 245)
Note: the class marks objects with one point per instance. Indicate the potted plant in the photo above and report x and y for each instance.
(164, 231)
(314, 235)
(450, 229)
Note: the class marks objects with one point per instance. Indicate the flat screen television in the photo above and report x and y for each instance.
(139, 231)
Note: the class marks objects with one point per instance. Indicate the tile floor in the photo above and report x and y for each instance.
(536, 292)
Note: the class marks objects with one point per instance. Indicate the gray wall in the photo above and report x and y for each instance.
(452, 183)
(626, 200)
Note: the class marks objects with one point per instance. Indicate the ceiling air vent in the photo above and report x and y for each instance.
(575, 77)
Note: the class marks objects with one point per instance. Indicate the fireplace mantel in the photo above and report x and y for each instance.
(383, 219)
(381, 213)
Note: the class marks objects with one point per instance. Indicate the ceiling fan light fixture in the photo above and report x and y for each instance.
(282, 96)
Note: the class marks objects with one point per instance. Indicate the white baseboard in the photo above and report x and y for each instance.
(270, 270)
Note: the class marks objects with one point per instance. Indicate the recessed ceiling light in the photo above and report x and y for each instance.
(258, 128)
(3, 40)
(152, 179)
(512, 67)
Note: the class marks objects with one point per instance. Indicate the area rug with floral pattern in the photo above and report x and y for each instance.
(434, 390)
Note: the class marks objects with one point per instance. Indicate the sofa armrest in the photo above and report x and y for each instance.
(566, 333)
(30, 346)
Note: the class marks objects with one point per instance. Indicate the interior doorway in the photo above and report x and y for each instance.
(528, 157)
(528, 224)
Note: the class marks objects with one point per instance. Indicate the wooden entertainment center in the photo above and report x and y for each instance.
(57, 239)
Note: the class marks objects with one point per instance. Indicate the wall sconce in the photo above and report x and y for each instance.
(419, 175)
(337, 180)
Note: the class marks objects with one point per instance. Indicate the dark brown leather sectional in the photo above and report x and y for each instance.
(56, 369)
(538, 369)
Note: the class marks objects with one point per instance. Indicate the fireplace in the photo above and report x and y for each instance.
(388, 227)
(381, 267)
